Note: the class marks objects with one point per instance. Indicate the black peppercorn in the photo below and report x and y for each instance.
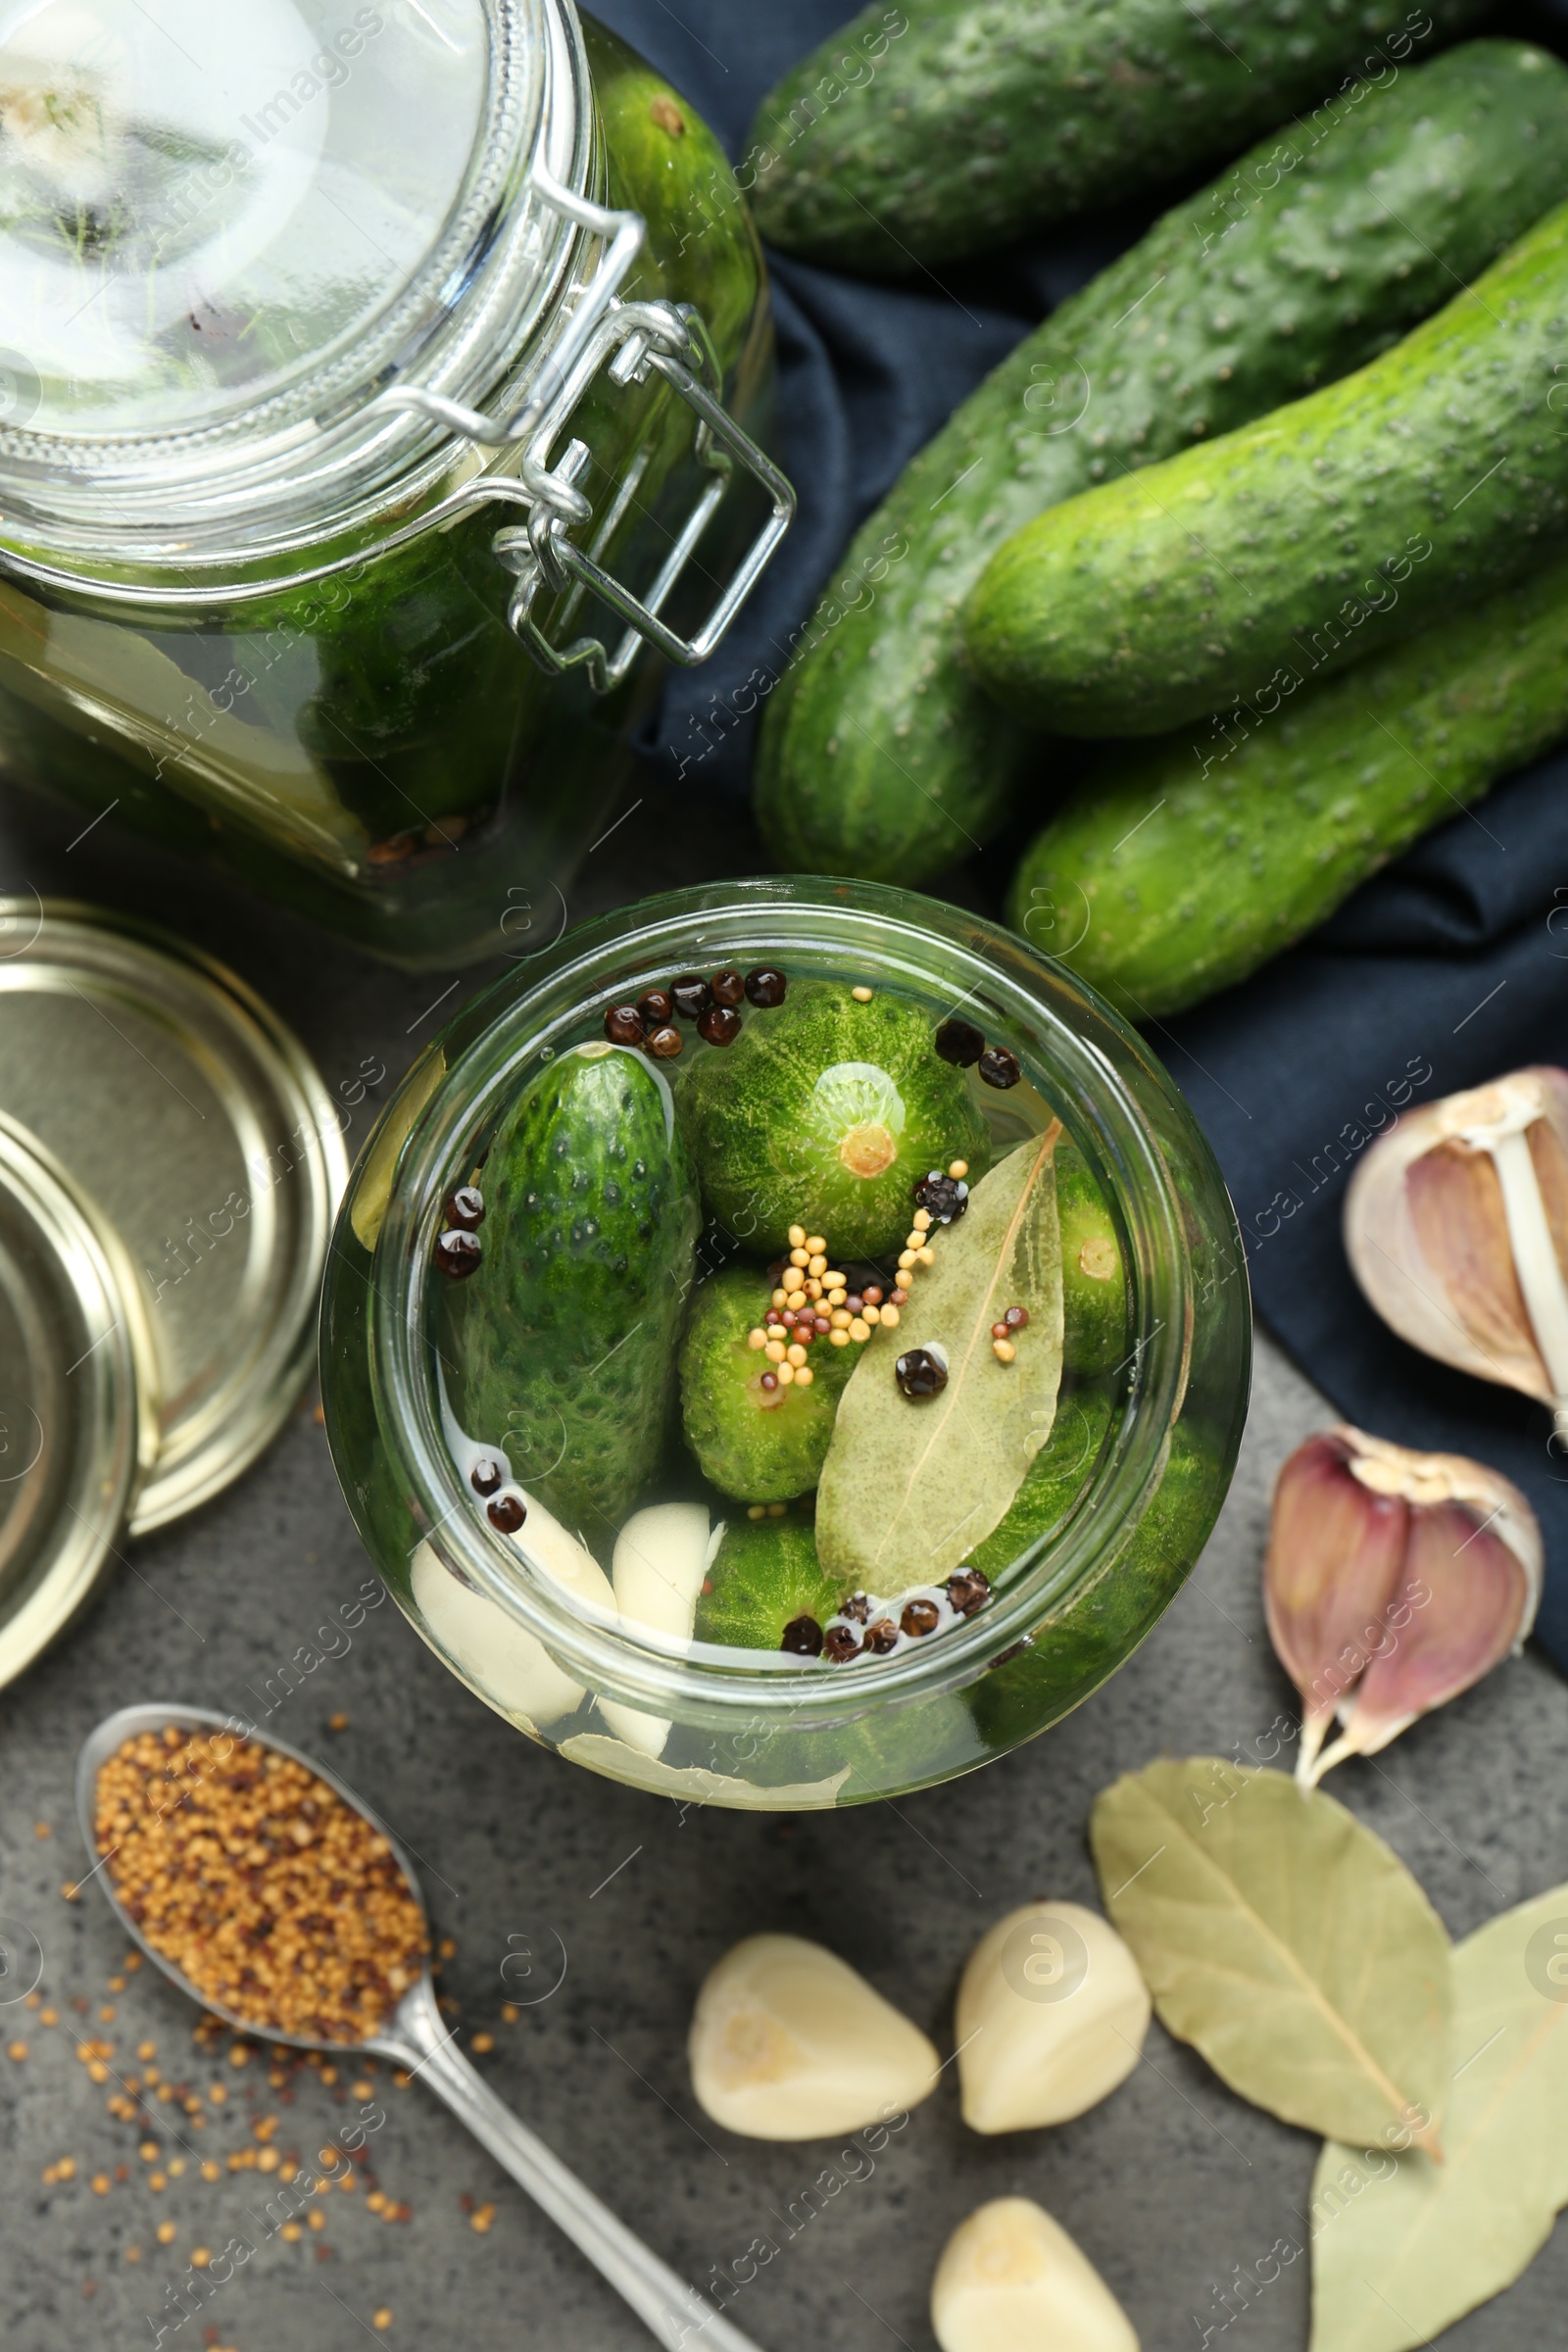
(881, 1637)
(921, 1374)
(968, 1590)
(656, 1007)
(920, 1617)
(458, 1253)
(765, 986)
(840, 1644)
(624, 1025)
(664, 1043)
(803, 1638)
(942, 1198)
(961, 1042)
(999, 1067)
(857, 1606)
(506, 1513)
(720, 1025)
(1006, 1657)
(486, 1475)
(464, 1207)
(692, 996)
(727, 986)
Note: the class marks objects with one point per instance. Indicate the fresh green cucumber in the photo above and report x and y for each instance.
(1093, 1630)
(880, 756)
(1058, 1477)
(1307, 541)
(1094, 1278)
(756, 1444)
(765, 1574)
(562, 1348)
(826, 1113)
(1187, 879)
(904, 140)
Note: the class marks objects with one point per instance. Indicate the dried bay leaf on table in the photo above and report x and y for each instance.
(909, 1487)
(1398, 2257)
(1285, 1942)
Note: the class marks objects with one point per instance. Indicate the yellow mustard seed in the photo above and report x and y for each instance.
(804, 1377)
(813, 1289)
(958, 1168)
(871, 1314)
(757, 1338)
(862, 996)
(757, 1510)
(840, 1338)
(794, 1355)
(793, 1279)
(839, 1319)
(927, 1257)
(817, 1264)
(817, 1244)
(835, 1293)
(1004, 1351)
(785, 1374)
(799, 1255)
(773, 1349)
(890, 1318)
(922, 1220)
(797, 1236)
(777, 1510)
(781, 1297)
(860, 1329)
(905, 1261)
(915, 1240)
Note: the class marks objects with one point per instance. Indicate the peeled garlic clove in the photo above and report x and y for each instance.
(788, 2042)
(1466, 1601)
(1010, 2280)
(661, 1555)
(1051, 2015)
(1336, 1551)
(1457, 1229)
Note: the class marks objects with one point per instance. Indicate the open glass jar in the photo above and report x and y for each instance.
(696, 1523)
(373, 376)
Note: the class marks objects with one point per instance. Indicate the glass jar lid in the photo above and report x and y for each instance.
(196, 1121)
(77, 1427)
(224, 231)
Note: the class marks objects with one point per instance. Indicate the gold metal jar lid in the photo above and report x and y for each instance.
(78, 1427)
(198, 1124)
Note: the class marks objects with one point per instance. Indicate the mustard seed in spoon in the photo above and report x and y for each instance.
(274, 1898)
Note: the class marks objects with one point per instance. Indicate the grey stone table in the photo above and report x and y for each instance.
(594, 1911)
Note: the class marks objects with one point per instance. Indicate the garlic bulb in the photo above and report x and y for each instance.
(1393, 1581)
(1052, 2016)
(1457, 1229)
(788, 2042)
(1010, 2280)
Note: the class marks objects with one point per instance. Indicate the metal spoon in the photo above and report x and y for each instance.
(416, 2037)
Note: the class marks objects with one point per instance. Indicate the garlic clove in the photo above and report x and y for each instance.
(661, 1555)
(1010, 2280)
(789, 2042)
(1052, 2016)
(1336, 1551)
(1393, 1581)
(1466, 1601)
(1457, 1229)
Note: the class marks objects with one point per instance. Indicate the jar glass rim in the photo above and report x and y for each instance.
(317, 458)
(481, 1059)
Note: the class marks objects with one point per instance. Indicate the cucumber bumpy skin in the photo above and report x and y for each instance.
(1189, 881)
(904, 140)
(827, 1113)
(751, 1443)
(880, 756)
(1304, 542)
(562, 1346)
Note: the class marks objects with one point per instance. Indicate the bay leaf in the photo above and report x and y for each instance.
(909, 1487)
(1402, 2247)
(1285, 1942)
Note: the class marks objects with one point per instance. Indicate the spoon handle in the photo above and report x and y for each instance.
(666, 2305)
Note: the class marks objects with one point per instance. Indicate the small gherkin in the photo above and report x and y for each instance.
(562, 1348)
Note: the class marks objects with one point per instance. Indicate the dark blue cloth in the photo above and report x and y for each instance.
(1447, 969)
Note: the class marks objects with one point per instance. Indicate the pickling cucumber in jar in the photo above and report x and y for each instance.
(271, 592)
(757, 1351)
(880, 755)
